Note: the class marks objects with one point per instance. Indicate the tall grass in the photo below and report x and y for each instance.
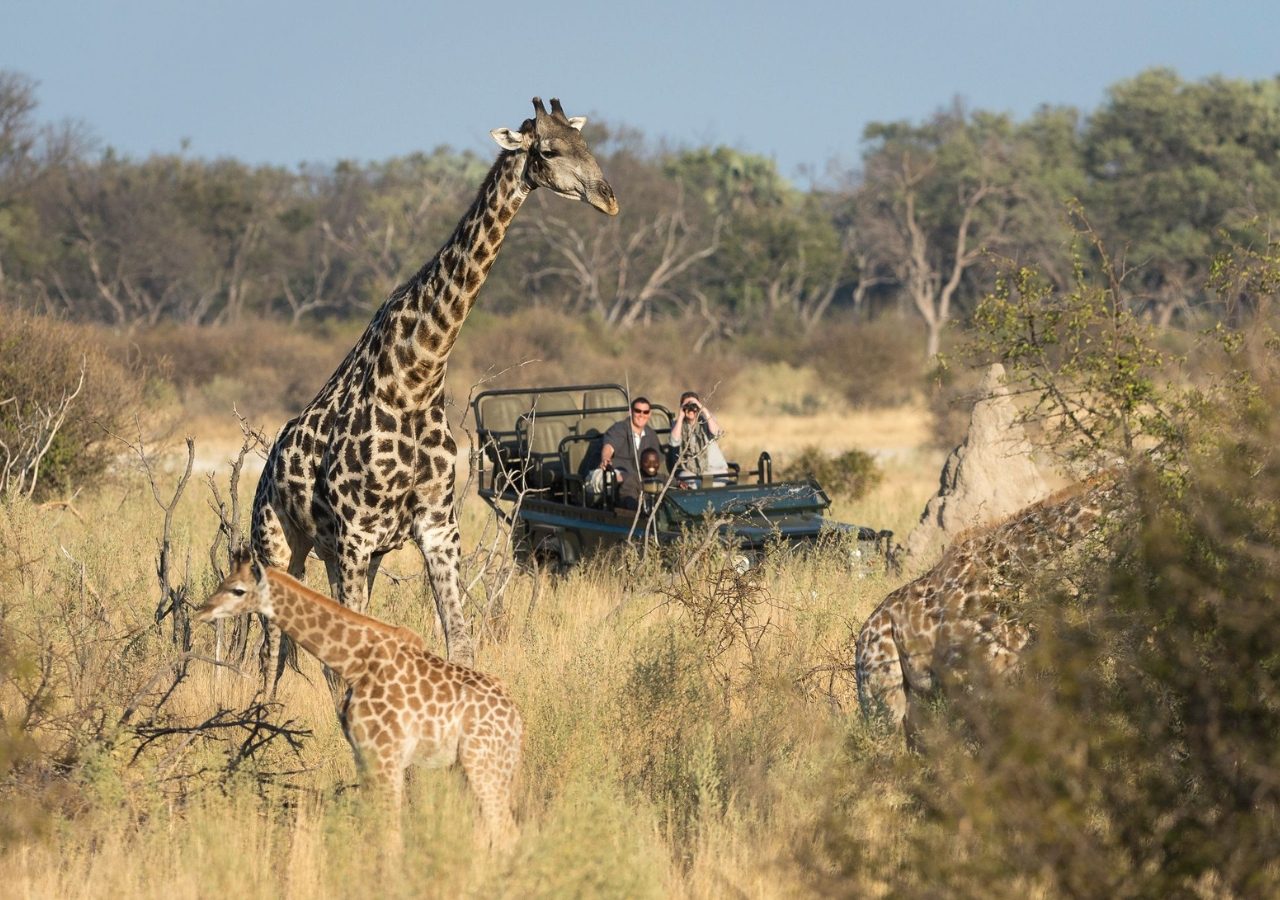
(653, 766)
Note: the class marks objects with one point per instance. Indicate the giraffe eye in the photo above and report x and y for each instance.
(548, 152)
(239, 591)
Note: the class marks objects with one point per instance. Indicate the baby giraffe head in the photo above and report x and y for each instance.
(244, 590)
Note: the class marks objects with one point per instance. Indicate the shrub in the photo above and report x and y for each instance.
(873, 364)
(1134, 752)
(657, 361)
(41, 361)
(260, 367)
(852, 474)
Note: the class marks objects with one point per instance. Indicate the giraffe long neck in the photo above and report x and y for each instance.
(421, 321)
(1052, 527)
(341, 639)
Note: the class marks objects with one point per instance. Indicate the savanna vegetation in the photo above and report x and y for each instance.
(689, 734)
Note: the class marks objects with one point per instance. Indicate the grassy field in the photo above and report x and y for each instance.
(682, 739)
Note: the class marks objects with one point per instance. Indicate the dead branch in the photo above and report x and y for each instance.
(35, 427)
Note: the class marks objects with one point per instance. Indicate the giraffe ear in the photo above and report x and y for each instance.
(578, 121)
(507, 139)
(259, 571)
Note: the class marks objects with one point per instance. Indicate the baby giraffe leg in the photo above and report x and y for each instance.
(490, 761)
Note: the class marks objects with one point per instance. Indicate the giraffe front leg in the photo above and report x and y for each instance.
(276, 546)
(441, 547)
(382, 783)
(349, 581)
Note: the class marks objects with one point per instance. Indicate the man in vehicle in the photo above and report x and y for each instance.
(623, 443)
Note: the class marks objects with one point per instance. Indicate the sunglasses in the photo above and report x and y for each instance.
(641, 412)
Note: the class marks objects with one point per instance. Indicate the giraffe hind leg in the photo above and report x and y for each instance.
(882, 687)
(490, 761)
(350, 578)
(441, 547)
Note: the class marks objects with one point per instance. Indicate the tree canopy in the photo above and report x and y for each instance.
(1169, 172)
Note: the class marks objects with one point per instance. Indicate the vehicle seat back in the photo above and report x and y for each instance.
(603, 398)
(540, 438)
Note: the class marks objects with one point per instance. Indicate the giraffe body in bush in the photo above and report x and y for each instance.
(369, 462)
(963, 610)
(402, 702)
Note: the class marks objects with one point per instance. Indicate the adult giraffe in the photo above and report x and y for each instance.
(966, 608)
(370, 461)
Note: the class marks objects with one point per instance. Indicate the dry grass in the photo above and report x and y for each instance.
(718, 788)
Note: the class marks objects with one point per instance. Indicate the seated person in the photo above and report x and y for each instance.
(650, 478)
(695, 443)
(623, 443)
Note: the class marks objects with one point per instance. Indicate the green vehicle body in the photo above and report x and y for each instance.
(532, 444)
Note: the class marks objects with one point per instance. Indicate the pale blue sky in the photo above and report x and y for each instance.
(797, 80)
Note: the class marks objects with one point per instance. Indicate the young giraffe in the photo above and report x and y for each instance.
(401, 700)
(964, 604)
(370, 461)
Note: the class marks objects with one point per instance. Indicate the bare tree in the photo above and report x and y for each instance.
(319, 288)
(930, 262)
(620, 271)
(934, 199)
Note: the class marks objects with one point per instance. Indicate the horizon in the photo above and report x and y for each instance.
(147, 78)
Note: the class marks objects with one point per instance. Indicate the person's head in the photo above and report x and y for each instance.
(690, 404)
(641, 408)
(650, 462)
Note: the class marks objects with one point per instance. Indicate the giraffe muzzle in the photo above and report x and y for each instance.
(601, 196)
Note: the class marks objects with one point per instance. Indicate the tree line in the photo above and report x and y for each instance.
(1167, 172)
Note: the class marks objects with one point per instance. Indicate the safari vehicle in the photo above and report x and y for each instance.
(533, 444)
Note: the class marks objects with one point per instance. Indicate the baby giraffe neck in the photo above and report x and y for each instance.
(341, 639)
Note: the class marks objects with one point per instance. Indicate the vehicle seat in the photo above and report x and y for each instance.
(603, 398)
(660, 419)
(497, 423)
(540, 438)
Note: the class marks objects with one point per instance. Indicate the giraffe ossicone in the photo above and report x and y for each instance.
(403, 703)
(369, 462)
(963, 610)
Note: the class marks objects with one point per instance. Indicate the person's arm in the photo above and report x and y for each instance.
(609, 447)
(712, 424)
(677, 429)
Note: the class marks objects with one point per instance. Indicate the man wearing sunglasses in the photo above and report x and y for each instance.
(623, 443)
(695, 442)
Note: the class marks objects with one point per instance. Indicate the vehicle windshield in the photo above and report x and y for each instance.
(751, 499)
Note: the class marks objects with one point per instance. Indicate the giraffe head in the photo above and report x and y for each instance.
(558, 157)
(244, 590)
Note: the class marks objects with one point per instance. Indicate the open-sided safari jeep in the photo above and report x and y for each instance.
(535, 448)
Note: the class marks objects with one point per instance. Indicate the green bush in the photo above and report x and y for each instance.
(852, 474)
(1134, 752)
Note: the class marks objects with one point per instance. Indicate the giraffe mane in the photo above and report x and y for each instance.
(285, 579)
(1059, 496)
